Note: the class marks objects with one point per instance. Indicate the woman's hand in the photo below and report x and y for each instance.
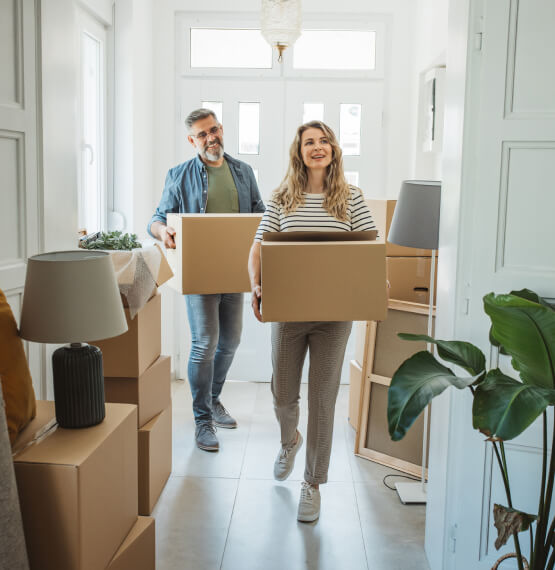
(256, 298)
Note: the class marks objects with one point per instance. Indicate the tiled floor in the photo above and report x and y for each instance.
(225, 511)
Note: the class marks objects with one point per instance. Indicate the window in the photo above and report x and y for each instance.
(335, 49)
(249, 128)
(313, 112)
(349, 128)
(216, 106)
(352, 177)
(229, 48)
(92, 187)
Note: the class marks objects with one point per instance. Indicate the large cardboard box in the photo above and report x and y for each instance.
(355, 386)
(151, 391)
(78, 492)
(155, 459)
(131, 353)
(212, 251)
(382, 213)
(409, 279)
(323, 280)
(137, 551)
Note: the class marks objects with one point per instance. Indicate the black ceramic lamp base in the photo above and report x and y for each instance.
(78, 386)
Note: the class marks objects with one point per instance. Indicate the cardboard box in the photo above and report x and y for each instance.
(78, 492)
(409, 279)
(151, 391)
(155, 459)
(323, 280)
(355, 387)
(360, 332)
(131, 353)
(212, 252)
(137, 551)
(40, 426)
(382, 213)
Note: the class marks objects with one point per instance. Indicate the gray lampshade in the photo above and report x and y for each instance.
(415, 221)
(71, 296)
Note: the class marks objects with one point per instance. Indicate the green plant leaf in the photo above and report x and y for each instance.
(526, 330)
(413, 386)
(532, 296)
(463, 354)
(504, 407)
(508, 521)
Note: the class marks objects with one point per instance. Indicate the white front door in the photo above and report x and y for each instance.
(510, 232)
(260, 117)
(20, 229)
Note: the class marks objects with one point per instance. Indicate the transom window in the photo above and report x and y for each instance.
(335, 49)
(229, 48)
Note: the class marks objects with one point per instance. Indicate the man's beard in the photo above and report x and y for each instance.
(211, 154)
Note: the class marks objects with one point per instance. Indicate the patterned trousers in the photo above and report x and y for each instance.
(326, 342)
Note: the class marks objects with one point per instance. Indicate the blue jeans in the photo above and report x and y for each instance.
(216, 322)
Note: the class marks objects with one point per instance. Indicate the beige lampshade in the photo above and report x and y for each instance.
(71, 296)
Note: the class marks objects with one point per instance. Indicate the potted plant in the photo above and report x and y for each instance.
(522, 327)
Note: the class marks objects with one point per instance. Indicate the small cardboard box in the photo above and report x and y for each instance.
(155, 459)
(326, 280)
(409, 279)
(355, 385)
(212, 252)
(137, 551)
(382, 213)
(78, 492)
(151, 391)
(131, 353)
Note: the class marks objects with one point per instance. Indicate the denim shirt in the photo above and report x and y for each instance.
(186, 189)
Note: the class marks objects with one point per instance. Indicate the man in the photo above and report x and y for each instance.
(211, 182)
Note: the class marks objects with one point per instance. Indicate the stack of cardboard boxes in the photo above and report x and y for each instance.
(135, 372)
(408, 268)
(78, 494)
(408, 274)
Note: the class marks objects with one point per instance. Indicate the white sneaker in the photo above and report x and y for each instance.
(285, 461)
(309, 504)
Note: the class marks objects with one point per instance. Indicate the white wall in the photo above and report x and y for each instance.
(133, 109)
(430, 51)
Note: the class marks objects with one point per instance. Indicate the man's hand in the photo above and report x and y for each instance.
(256, 298)
(167, 234)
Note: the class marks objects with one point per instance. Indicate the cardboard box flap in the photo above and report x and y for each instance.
(165, 272)
(74, 446)
(369, 235)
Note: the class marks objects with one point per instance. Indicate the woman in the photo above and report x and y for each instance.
(314, 196)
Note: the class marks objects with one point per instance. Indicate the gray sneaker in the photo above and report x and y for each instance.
(309, 503)
(205, 436)
(221, 416)
(285, 461)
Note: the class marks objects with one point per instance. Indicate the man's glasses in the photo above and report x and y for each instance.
(202, 135)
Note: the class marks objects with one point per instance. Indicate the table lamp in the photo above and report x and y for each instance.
(69, 297)
(415, 224)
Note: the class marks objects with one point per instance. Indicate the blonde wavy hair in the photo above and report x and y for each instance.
(289, 194)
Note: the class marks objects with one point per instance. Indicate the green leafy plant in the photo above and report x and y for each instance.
(522, 327)
(111, 240)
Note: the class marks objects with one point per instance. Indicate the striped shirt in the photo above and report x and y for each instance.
(312, 217)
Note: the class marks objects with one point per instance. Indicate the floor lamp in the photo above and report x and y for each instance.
(415, 224)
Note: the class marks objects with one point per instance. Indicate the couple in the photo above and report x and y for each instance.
(314, 195)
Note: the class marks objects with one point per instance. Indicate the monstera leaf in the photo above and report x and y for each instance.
(462, 354)
(413, 386)
(526, 331)
(504, 407)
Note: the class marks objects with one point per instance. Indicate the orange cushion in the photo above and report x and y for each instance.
(17, 386)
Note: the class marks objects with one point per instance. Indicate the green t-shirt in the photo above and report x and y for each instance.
(222, 193)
